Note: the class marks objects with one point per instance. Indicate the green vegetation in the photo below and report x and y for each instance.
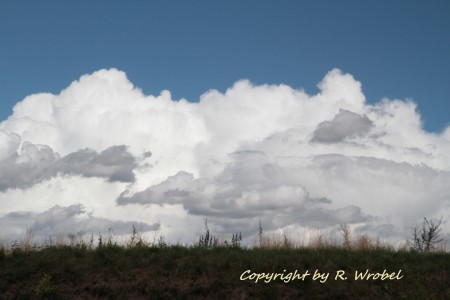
(213, 270)
(150, 272)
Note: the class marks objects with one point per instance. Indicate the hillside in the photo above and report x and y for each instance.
(176, 272)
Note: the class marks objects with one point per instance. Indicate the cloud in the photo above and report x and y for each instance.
(67, 220)
(255, 152)
(252, 187)
(36, 163)
(9, 144)
(114, 163)
(104, 109)
(345, 124)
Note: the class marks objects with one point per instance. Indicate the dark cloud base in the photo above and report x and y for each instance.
(36, 163)
(67, 220)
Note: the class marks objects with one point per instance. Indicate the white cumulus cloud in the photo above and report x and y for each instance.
(255, 152)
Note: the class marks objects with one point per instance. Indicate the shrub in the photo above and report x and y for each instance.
(44, 287)
(208, 240)
(345, 230)
(425, 239)
(135, 239)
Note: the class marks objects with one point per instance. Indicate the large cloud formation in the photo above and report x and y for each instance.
(267, 152)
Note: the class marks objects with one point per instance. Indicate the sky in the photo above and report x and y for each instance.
(304, 115)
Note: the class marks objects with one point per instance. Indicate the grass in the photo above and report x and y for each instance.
(141, 270)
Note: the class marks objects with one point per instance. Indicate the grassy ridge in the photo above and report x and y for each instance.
(175, 272)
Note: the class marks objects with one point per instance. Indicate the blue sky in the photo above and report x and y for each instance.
(396, 49)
